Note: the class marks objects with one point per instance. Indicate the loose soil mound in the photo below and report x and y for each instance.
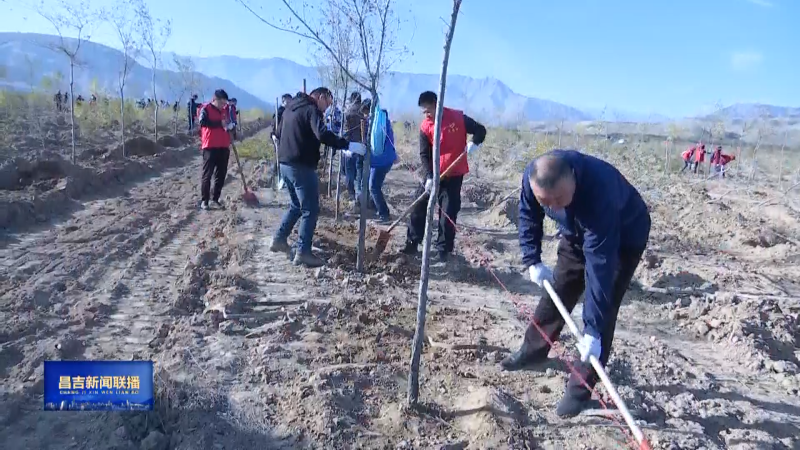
(21, 173)
(138, 146)
(504, 214)
(169, 141)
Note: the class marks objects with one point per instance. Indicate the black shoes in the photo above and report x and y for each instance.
(523, 358)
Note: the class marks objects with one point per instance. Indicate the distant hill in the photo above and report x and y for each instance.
(487, 99)
(752, 111)
(28, 58)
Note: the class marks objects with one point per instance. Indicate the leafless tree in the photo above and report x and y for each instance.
(186, 81)
(375, 27)
(123, 21)
(74, 18)
(422, 306)
(344, 43)
(154, 34)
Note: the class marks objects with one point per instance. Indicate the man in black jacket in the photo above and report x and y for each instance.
(192, 107)
(276, 128)
(301, 131)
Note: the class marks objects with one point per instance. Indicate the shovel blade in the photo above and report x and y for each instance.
(380, 245)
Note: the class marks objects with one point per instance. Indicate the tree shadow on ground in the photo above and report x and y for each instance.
(459, 270)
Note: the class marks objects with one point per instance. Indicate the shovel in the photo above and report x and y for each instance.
(248, 197)
(385, 235)
(612, 391)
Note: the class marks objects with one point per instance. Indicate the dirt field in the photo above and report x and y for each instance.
(253, 352)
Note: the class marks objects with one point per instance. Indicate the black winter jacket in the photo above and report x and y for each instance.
(302, 129)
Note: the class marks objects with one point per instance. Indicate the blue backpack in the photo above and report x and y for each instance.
(377, 132)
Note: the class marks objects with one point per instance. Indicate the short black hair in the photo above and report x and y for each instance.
(355, 97)
(233, 100)
(321, 91)
(549, 169)
(286, 97)
(427, 98)
(221, 94)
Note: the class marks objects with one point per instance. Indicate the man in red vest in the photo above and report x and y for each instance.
(215, 143)
(455, 126)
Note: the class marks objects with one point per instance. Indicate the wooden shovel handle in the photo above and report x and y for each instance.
(419, 199)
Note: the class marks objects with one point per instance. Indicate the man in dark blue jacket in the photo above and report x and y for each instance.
(605, 226)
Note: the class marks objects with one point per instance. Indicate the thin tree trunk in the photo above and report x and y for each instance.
(780, 168)
(122, 119)
(416, 351)
(361, 254)
(560, 127)
(155, 105)
(330, 172)
(72, 105)
(341, 157)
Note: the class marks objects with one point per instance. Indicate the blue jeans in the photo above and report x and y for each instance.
(303, 186)
(377, 175)
(352, 166)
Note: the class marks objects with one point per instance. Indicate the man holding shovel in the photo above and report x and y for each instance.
(453, 165)
(215, 142)
(605, 226)
(302, 130)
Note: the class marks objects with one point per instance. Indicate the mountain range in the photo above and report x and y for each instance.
(28, 58)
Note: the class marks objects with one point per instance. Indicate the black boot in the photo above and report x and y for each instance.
(411, 249)
(524, 357)
(575, 400)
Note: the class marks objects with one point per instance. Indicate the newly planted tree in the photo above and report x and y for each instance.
(422, 305)
(154, 34)
(73, 18)
(123, 21)
(375, 27)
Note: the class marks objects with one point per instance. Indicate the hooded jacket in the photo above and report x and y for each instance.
(607, 214)
(302, 129)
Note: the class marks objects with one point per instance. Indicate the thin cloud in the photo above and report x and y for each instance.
(763, 3)
(746, 60)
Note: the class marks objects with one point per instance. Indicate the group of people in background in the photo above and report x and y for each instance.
(304, 122)
(696, 155)
(61, 102)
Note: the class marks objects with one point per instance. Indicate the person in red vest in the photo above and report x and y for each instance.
(699, 156)
(687, 157)
(455, 126)
(215, 142)
(719, 160)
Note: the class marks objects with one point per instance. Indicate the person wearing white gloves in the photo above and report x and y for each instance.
(455, 127)
(604, 226)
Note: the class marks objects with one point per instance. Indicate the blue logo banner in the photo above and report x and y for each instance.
(98, 385)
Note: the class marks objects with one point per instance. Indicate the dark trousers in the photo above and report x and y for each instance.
(215, 163)
(569, 283)
(450, 204)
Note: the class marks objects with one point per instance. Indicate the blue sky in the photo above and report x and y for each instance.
(677, 57)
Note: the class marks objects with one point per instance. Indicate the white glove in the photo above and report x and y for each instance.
(539, 273)
(428, 185)
(589, 346)
(230, 126)
(471, 147)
